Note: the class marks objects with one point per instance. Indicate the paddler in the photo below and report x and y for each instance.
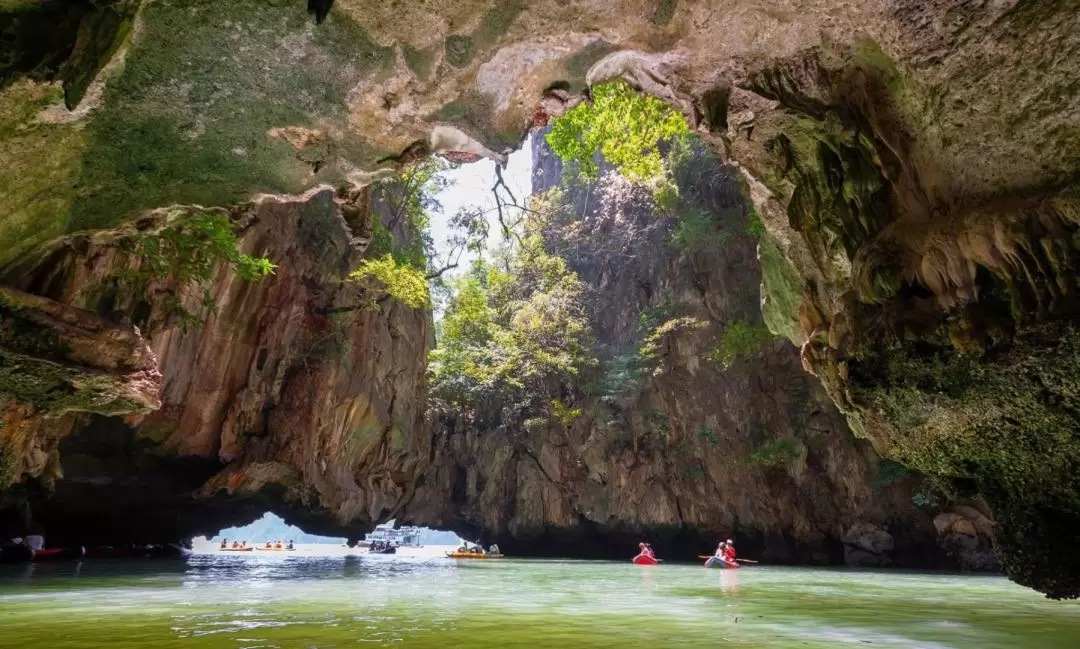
(721, 550)
(729, 551)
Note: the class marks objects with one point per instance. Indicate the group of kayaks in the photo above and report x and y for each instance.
(711, 561)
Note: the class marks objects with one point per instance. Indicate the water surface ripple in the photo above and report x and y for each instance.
(302, 600)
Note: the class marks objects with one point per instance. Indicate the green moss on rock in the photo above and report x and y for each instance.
(187, 119)
(782, 291)
(1006, 426)
(419, 61)
(459, 50)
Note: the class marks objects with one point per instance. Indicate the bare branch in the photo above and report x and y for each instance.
(439, 273)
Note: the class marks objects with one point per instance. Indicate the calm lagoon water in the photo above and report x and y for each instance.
(312, 601)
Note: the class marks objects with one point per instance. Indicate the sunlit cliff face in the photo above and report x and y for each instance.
(913, 163)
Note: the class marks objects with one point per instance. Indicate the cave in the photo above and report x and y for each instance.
(891, 247)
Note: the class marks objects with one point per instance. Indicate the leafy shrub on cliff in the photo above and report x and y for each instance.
(386, 276)
(623, 125)
(186, 255)
(739, 338)
(655, 346)
(776, 453)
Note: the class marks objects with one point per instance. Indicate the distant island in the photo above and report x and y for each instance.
(271, 527)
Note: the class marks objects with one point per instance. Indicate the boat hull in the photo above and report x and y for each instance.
(58, 554)
(644, 560)
(472, 555)
(717, 562)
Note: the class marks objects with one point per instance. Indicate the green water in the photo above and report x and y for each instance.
(266, 602)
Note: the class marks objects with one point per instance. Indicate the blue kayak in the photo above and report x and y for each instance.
(717, 562)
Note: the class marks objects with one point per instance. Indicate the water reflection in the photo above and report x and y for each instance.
(729, 581)
(227, 602)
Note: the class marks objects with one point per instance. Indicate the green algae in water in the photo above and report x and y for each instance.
(217, 601)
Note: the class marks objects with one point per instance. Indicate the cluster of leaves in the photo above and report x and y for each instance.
(709, 435)
(739, 338)
(516, 328)
(564, 413)
(654, 347)
(775, 453)
(403, 262)
(186, 255)
(386, 276)
(626, 127)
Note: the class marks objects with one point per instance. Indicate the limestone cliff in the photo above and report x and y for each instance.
(914, 164)
(284, 397)
(672, 444)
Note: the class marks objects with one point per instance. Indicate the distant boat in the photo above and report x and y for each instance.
(402, 537)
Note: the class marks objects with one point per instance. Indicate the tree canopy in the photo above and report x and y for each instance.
(625, 126)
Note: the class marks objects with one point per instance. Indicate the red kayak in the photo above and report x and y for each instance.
(644, 560)
(57, 554)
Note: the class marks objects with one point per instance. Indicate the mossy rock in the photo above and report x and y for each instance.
(459, 50)
(1006, 426)
(158, 141)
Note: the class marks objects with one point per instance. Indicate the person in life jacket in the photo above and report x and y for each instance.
(729, 550)
(646, 550)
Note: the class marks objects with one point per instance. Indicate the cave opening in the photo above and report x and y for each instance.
(269, 531)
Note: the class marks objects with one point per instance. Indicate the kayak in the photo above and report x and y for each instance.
(247, 549)
(472, 555)
(383, 551)
(56, 554)
(275, 549)
(717, 562)
(644, 560)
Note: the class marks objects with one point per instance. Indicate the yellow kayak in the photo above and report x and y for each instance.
(472, 555)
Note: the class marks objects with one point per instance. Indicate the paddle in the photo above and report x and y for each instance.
(709, 556)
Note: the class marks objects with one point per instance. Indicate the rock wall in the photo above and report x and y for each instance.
(282, 398)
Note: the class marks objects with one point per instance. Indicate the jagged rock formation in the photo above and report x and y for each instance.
(275, 358)
(914, 164)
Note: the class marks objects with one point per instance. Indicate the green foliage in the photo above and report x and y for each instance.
(386, 276)
(511, 331)
(564, 413)
(623, 125)
(654, 347)
(186, 255)
(697, 227)
(708, 435)
(739, 338)
(889, 473)
(402, 255)
(621, 373)
(776, 453)
(755, 227)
